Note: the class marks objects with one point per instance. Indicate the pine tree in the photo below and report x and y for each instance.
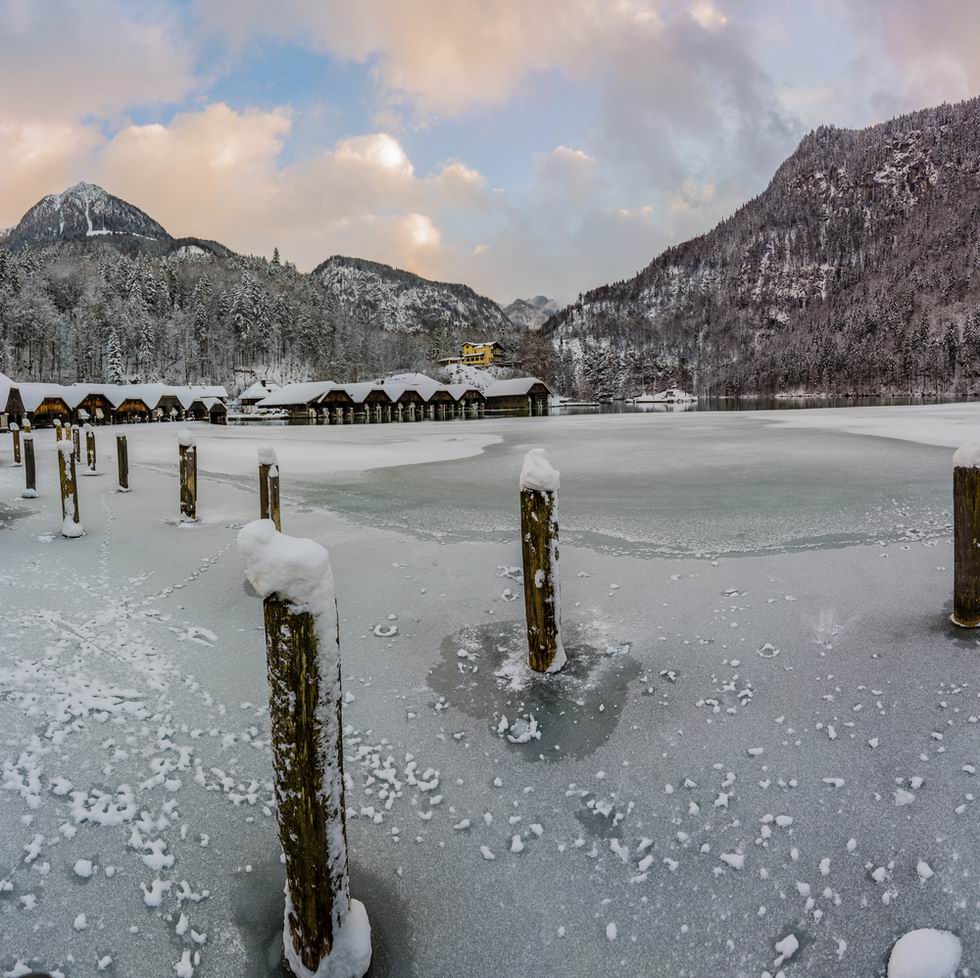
(112, 361)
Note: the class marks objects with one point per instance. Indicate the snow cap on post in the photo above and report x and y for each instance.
(296, 569)
(538, 473)
(14, 426)
(185, 439)
(967, 456)
(267, 454)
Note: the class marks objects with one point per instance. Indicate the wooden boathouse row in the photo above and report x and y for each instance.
(324, 402)
(43, 404)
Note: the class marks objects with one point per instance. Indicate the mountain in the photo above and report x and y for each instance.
(531, 313)
(856, 271)
(92, 288)
(86, 213)
(380, 297)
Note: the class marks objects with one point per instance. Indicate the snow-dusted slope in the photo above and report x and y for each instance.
(388, 298)
(531, 313)
(858, 266)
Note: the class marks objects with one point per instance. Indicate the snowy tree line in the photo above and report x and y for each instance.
(73, 313)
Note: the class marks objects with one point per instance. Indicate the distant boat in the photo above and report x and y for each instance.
(673, 395)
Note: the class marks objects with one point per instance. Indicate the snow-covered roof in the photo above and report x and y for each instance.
(514, 387)
(359, 392)
(458, 390)
(5, 387)
(306, 393)
(259, 389)
(33, 394)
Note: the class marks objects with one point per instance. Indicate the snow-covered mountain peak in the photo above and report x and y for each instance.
(84, 210)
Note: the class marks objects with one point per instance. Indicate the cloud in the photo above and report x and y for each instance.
(914, 54)
(67, 59)
(38, 158)
(218, 173)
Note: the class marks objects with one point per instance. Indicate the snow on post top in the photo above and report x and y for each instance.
(296, 569)
(967, 456)
(185, 439)
(14, 426)
(267, 454)
(538, 473)
(65, 447)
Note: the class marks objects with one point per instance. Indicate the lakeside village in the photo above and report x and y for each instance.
(399, 397)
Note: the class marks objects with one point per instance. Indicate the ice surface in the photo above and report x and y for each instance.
(133, 707)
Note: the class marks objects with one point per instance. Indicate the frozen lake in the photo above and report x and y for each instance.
(768, 726)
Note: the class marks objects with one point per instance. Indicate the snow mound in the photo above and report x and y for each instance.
(925, 953)
(538, 473)
(350, 956)
(296, 569)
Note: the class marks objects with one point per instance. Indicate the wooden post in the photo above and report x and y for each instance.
(76, 441)
(90, 449)
(15, 434)
(306, 719)
(57, 429)
(122, 462)
(27, 426)
(539, 547)
(71, 522)
(187, 451)
(30, 471)
(966, 536)
(269, 486)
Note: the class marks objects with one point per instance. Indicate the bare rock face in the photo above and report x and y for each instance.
(856, 271)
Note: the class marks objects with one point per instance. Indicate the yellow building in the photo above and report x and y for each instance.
(478, 354)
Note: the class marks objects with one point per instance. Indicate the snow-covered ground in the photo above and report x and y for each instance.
(764, 748)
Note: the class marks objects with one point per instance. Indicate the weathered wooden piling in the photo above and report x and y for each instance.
(90, 461)
(76, 442)
(539, 549)
(15, 435)
(71, 520)
(325, 932)
(122, 462)
(187, 452)
(30, 470)
(269, 486)
(57, 429)
(966, 536)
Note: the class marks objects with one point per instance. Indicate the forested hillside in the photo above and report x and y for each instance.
(856, 271)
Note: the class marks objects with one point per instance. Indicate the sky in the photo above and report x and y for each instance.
(521, 146)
